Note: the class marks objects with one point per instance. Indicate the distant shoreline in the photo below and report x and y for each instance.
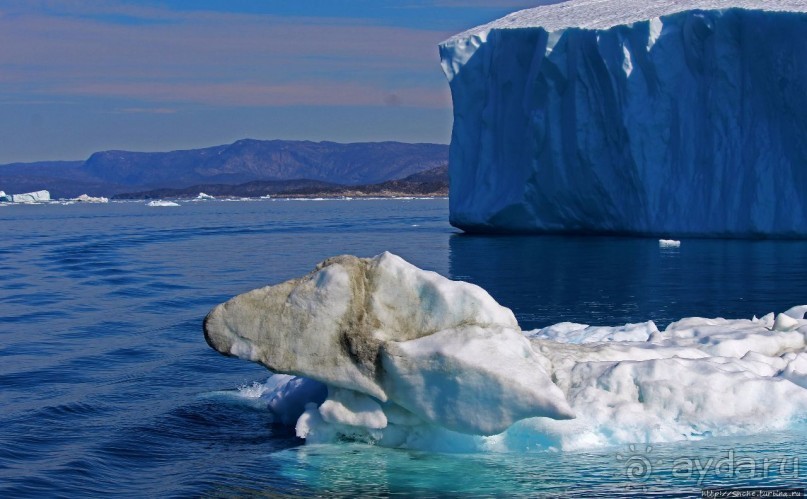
(364, 196)
(432, 183)
(315, 195)
(295, 197)
(429, 183)
(299, 197)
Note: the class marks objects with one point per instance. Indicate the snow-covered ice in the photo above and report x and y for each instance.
(604, 14)
(570, 332)
(204, 197)
(669, 243)
(644, 117)
(380, 351)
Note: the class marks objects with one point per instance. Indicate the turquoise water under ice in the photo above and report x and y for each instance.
(107, 386)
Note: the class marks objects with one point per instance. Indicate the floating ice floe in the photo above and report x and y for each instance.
(84, 198)
(669, 243)
(383, 334)
(202, 197)
(409, 358)
(160, 202)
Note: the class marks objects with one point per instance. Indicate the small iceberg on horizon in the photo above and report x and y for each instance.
(669, 243)
(377, 350)
(204, 197)
(85, 198)
(160, 202)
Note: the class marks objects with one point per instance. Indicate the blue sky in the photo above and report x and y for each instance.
(77, 76)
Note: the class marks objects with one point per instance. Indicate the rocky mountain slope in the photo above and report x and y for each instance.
(433, 182)
(115, 172)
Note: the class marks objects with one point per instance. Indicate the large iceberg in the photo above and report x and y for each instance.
(641, 117)
(29, 197)
(378, 350)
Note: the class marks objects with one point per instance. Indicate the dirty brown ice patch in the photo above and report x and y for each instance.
(409, 340)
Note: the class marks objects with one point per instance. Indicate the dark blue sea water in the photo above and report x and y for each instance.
(107, 386)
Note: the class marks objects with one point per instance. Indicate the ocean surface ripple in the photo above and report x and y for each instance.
(108, 386)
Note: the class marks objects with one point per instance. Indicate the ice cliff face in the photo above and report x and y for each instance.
(628, 116)
(30, 197)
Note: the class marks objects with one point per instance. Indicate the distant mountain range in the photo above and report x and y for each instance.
(309, 164)
(433, 182)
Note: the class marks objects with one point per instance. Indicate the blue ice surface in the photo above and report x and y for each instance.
(691, 124)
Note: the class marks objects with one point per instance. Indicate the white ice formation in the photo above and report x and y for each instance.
(161, 203)
(415, 360)
(669, 243)
(392, 342)
(650, 117)
(29, 197)
(85, 198)
(204, 197)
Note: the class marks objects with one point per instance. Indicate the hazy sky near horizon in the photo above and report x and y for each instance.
(78, 76)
